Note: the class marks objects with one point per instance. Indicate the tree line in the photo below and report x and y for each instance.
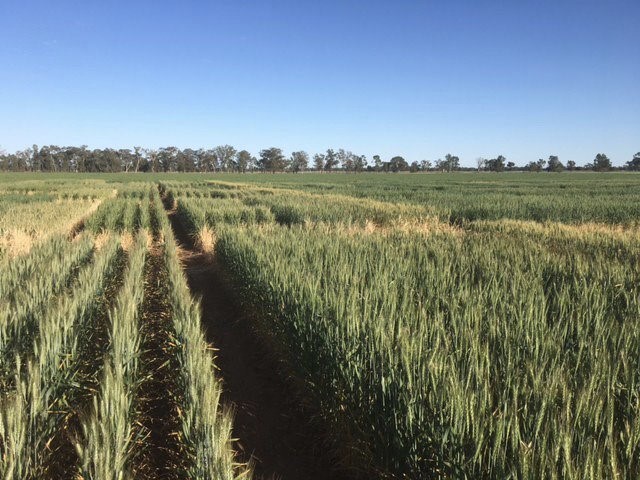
(225, 158)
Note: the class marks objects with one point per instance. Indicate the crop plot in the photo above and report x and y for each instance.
(427, 336)
(99, 378)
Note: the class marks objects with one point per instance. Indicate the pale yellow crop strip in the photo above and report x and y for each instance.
(25, 226)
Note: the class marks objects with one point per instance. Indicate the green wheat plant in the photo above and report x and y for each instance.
(107, 435)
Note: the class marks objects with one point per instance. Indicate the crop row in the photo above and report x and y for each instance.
(27, 302)
(32, 414)
(76, 363)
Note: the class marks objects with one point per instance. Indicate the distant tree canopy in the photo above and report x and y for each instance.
(398, 164)
(245, 161)
(272, 160)
(330, 160)
(299, 161)
(225, 158)
(496, 164)
(601, 163)
(377, 163)
(554, 164)
(634, 163)
(225, 155)
(449, 164)
(318, 161)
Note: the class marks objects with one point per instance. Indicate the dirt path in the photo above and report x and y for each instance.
(160, 455)
(271, 429)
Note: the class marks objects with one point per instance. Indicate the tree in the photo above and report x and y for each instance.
(496, 164)
(36, 164)
(137, 157)
(299, 161)
(342, 159)
(571, 165)
(425, 165)
(153, 159)
(377, 163)
(111, 160)
(186, 160)
(452, 162)
(634, 163)
(46, 159)
(533, 166)
(65, 159)
(554, 164)
(414, 167)
(5, 162)
(330, 160)
(397, 164)
(21, 163)
(601, 163)
(243, 160)
(126, 159)
(167, 159)
(272, 160)
(81, 154)
(318, 161)
(347, 160)
(225, 155)
(511, 165)
(481, 163)
(207, 161)
(360, 163)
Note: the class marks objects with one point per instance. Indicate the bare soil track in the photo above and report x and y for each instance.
(160, 455)
(272, 430)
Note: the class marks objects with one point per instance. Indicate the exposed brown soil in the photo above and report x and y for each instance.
(272, 429)
(76, 229)
(160, 452)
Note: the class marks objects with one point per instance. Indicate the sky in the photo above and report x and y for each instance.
(524, 79)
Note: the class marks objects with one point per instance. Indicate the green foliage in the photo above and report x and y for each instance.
(107, 434)
(439, 360)
(50, 369)
(28, 295)
(454, 326)
(501, 350)
(612, 198)
(272, 160)
(118, 215)
(634, 163)
(601, 163)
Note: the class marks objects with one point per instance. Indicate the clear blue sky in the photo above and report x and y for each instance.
(526, 79)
